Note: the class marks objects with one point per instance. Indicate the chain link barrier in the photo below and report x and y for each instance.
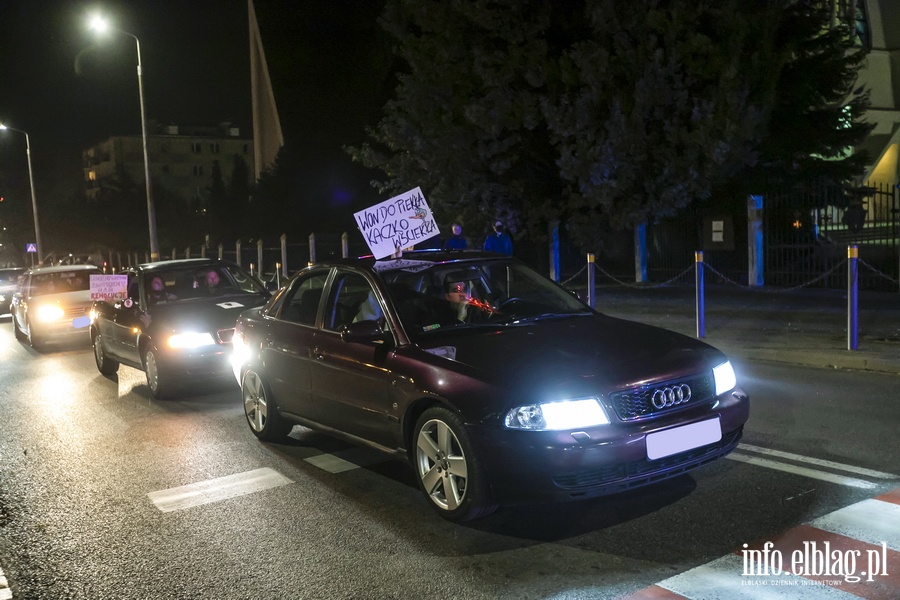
(725, 279)
(644, 286)
(877, 272)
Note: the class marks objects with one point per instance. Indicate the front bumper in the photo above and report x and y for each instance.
(211, 362)
(73, 328)
(525, 466)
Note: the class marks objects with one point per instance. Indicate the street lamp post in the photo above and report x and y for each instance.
(37, 226)
(100, 25)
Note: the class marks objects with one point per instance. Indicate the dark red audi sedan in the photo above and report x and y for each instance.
(496, 384)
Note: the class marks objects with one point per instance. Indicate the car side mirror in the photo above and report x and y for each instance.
(364, 331)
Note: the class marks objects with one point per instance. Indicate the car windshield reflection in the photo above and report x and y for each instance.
(475, 294)
(184, 284)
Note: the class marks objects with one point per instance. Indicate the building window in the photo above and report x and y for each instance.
(92, 175)
(196, 147)
(214, 148)
(198, 170)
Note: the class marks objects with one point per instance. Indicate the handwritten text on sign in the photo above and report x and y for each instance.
(400, 222)
(109, 287)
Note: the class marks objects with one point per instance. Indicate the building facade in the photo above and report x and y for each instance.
(181, 160)
(877, 27)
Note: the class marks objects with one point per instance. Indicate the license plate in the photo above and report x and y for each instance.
(686, 437)
(80, 322)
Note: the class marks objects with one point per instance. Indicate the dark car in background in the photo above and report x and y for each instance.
(9, 283)
(496, 384)
(52, 304)
(176, 322)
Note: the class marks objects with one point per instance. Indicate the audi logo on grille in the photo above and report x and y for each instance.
(671, 396)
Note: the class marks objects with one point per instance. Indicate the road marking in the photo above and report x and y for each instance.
(347, 460)
(872, 521)
(819, 462)
(868, 530)
(5, 592)
(214, 490)
(804, 471)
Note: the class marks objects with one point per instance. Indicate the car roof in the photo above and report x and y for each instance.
(432, 256)
(63, 269)
(182, 262)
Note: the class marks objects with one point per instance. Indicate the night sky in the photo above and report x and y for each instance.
(329, 81)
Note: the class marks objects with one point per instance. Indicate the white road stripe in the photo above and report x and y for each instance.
(5, 592)
(804, 471)
(214, 490)
(871, 521)
(347, 460)
(819, 462)
(721, 579)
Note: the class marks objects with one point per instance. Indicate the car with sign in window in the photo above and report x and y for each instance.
(175, 322)
(52, 305)
(494, 383)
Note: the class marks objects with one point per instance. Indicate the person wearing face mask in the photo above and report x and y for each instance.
(498, 241)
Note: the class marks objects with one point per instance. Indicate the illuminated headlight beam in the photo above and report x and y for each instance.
(553, 416)
(191, 339)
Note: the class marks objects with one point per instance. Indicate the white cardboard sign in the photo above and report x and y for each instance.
(109, 287)
(397, 223)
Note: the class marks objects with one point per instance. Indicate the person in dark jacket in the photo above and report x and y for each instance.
(456, 241)
(499, 241)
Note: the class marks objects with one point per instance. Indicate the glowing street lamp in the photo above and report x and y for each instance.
(37, 227)
(101, 26)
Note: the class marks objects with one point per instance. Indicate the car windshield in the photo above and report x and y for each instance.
(62, 281)
(190, 283)
(433, 297)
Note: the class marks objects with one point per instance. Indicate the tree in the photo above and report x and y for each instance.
(604, 113)
(815, 120)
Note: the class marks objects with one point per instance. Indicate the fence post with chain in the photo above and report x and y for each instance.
(852, 298)
(698, 281)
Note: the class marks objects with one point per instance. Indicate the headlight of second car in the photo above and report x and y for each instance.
(50, 312)
(567, 414)
(191, 339)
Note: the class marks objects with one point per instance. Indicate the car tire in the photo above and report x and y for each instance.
(105, 364)
(447, 468)
(162, 384)
(20, 335)
(36, 340)
(262, 415)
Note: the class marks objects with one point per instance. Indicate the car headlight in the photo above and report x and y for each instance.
(567, 414)
(192, 339)
(725, 378)
(50, 312)
(240, 352)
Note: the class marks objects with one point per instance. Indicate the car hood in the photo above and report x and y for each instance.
(578, 355)
(202, 314)
(77, 298)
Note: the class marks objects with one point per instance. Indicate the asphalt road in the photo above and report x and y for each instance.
(107, 494)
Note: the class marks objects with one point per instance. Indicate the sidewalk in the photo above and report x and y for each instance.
(804, 327)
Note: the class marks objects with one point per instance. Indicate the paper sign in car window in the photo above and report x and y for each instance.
(400, 222)
(109, 288)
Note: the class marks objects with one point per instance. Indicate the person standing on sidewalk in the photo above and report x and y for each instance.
(456, 241)
(499, 241)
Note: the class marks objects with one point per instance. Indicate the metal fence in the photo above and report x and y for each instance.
(806, 235)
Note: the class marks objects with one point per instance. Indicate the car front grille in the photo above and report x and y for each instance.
(634, 474)
(637, 403)
(71, 312)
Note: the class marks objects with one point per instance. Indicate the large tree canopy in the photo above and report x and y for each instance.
(603, 113)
